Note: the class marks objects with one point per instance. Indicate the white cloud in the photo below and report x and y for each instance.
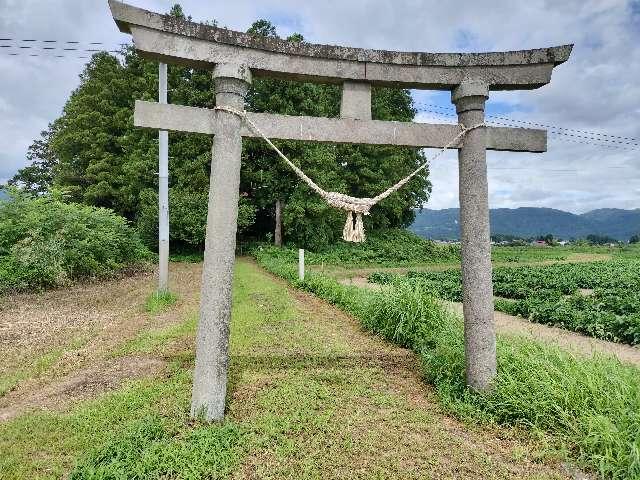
(596, 90)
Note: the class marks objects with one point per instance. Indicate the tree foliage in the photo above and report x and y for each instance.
(594, 239)
(37, 177)
(95, 154)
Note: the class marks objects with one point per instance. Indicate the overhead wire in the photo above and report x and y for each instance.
(55, 47)
(605, 139)
(555, 133)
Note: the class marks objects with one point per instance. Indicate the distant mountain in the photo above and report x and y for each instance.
(528, 222)
(3, 194)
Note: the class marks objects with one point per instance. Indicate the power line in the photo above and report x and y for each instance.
(555, 135)
(42, 56)
(555, 131)
(555, 127)
(558, 129)
(70, 42)
(66, 49)
(42, 46)
(55, 55)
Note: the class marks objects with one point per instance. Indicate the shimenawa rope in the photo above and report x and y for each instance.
(355, 207)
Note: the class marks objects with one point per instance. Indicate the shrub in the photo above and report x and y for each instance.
(382, 278)
(387, 247)
(45, 242)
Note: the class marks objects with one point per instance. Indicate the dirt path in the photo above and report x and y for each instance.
(512, 325)
(577, 343)
(58, 345)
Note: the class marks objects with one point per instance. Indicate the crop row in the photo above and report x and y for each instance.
(554, 295)
(589, 405)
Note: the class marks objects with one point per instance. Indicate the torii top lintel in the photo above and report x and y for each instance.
(168, 39)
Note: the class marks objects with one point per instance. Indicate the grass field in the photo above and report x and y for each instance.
(311, 396)
(590, 404)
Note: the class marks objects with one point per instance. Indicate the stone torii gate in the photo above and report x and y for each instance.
(235, 57)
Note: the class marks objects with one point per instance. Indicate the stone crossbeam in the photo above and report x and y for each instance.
(168, 39)
(335, 130)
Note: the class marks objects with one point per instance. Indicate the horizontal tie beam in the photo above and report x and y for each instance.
(335, 130)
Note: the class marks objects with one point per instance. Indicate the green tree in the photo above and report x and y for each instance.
(99, 158)
(594, 239)
(38, 176)
(362, 171)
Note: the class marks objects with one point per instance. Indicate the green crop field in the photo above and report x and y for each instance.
(601, 299)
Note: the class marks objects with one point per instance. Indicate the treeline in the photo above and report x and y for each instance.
(549, 239)
(96, 156)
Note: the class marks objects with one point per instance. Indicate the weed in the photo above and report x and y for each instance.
(160, 301)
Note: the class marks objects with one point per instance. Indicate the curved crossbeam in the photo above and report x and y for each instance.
(169, 39)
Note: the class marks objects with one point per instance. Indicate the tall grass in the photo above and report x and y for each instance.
(591, 405)
(160, 301)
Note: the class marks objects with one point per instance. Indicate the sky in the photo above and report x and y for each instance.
(595, 96)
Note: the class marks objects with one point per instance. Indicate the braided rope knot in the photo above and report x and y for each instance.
(350, 204)
(353, 230)
(355, 207)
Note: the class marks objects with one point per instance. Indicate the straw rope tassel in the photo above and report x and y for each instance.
(353, 230)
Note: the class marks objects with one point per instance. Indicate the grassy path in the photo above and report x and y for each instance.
(311, 396)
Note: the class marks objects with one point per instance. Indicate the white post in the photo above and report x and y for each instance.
(163, 191)
(301, 263)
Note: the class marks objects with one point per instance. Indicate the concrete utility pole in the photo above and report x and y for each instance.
(212, 340)
(163, 190)
(479, 331)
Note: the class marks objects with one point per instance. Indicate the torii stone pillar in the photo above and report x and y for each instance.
(479, 331)
(212, 341)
